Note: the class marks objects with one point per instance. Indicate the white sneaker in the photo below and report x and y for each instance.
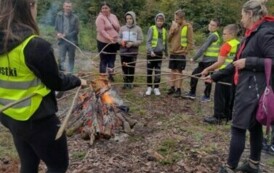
(148, 92)
(157, 91)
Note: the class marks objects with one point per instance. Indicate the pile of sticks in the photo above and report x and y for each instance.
(97, 114)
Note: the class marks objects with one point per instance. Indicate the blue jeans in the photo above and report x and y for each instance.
(64, 50)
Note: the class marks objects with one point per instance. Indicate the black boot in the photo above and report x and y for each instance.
(171, 90)
(177, 93)
(249, 167)
(212, 120)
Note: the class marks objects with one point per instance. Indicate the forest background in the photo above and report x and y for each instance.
(198, 12)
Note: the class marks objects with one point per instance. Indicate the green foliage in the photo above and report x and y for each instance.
(199, 38)
(47, 32)
(87, 37)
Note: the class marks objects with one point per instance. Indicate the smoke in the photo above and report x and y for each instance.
(47, 15)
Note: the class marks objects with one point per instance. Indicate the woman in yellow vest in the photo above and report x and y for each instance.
(223, 95)
(28, 66)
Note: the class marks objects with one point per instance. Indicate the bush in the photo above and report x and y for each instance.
(199, 38)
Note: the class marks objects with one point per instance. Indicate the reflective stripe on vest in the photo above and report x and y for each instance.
(155, 36)
(17, 81)
(234, 45)
(214, 48)
(184, 36)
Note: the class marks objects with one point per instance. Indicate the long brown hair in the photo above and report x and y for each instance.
(14, 16)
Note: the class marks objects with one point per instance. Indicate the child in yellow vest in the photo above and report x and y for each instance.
(156, 46)
(223, 95)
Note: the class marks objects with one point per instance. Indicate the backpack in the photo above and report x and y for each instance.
(265, 111)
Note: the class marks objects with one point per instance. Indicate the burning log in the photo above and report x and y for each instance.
(99, 113)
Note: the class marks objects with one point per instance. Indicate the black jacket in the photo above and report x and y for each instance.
(39, 57)
(258, 45)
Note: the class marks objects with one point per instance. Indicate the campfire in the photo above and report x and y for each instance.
(99, 113)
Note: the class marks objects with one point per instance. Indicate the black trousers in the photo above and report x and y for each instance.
(35, 140)
(223, 99)
(237, 144)
(154, 64)
(106, 60)
(194, 81)
(128, 70)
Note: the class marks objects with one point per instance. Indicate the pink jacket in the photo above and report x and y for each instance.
(107, 27)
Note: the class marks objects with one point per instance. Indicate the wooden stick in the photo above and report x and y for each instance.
(16, 102)
(65, 122)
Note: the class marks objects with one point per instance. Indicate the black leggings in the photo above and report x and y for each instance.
(237, 144)
(129, 70)
(35, 141)
(106, 60)
(194, 81)
(154, 64)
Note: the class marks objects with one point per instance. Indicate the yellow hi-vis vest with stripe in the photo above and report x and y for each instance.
(214, 48)
(184, 36)
(17, 81)
(234, 45)
(155, 36)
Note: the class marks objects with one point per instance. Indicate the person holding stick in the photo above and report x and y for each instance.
(28, 68)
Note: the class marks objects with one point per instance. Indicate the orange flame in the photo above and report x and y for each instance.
(106, 98)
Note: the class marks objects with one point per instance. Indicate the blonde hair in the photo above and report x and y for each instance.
(257, 8)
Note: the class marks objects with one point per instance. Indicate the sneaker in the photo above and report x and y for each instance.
(205, 99)
(212, 120)
(148, 92)
(190, 96)
(157, 91)
(177, 93)
(249, 167)
(170, 91)
(225, 169)
(271, 149)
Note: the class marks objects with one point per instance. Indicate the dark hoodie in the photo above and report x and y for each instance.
(39, 58)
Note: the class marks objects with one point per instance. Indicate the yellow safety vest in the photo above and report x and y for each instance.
(17, 81)
(184, 36)
(234, 45)
(214, 48)
(155, 36)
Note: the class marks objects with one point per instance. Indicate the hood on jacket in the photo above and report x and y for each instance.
(158, 15)
(20, 33)
(133, 15)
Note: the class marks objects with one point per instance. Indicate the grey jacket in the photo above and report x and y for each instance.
(73, 28)
(132, 34)
(211, 38)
